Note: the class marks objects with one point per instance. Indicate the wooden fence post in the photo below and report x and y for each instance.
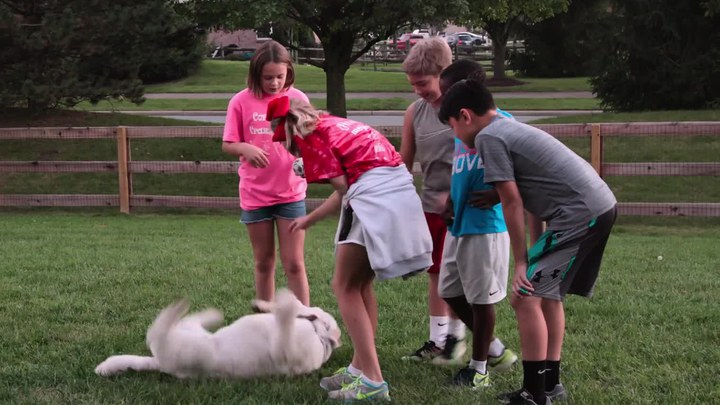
(123, 150)
(596, 148)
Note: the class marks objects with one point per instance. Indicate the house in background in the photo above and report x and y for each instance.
(240, 44)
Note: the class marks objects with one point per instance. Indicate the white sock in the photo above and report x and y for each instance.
(439, 329)
(496, 348)
(371, 382)
(456, 327)
(355, 372)
(479, 366)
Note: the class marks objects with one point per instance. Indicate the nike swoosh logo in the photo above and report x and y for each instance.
(542, 371)
(442, 324)
(369, 394)
(494, 292)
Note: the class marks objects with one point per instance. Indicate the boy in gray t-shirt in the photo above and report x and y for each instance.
(534, 172)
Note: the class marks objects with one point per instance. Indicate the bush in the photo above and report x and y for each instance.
(658, 55)
(560, 46)
(178, 55)
(59, 53)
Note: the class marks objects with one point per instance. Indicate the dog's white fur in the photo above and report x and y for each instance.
(289, 339)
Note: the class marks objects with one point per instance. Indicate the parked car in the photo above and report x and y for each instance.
(406, 40)
(451, 39)
(467, 43)
(482, 38)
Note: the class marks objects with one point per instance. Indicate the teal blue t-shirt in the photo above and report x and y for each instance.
(468, 175)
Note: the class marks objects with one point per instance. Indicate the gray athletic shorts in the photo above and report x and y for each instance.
(568, 261)
(475, 266)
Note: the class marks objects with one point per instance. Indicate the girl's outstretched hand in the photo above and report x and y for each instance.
(300, 224)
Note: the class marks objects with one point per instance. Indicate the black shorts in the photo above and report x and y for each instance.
(568, 261)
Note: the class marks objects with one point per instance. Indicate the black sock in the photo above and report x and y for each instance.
(534, 379)
(552, 374)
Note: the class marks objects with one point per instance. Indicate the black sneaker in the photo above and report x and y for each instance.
(428, 351)
(470, 377)
(452, 353)
(521, 397)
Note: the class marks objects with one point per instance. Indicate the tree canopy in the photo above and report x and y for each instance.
(562, 45)
(499, 17)
(658, 55)
(346, 29)
(62, 52)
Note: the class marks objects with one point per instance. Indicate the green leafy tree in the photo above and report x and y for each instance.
(659, 55)
(339, 25)
(59, 53)
(562, 45)
(500, 17)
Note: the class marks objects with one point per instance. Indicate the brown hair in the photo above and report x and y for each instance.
(268, 52)
(428, 57)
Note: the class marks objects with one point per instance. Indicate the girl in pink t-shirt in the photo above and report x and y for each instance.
(382, 233)
(270, 192)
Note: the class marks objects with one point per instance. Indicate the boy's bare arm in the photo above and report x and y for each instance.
(407, 143)
(514, 213)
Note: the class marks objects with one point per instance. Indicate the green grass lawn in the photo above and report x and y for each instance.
(372, 104)
(78, 287)
(215, 76)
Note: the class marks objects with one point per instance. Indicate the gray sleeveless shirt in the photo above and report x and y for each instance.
(434, 151)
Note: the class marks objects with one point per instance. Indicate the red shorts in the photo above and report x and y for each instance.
(438, 229)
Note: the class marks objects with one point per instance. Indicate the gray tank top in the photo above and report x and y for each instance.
(434, 151)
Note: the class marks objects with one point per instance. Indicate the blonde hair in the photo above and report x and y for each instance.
(428, 57)
(300, 120)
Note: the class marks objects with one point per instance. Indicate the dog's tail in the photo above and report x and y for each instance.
(285, 310)
(164, 322)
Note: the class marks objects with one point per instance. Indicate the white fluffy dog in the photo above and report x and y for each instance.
(288, 339)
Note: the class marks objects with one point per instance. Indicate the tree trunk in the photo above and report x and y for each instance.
(335, 83)
(499, 33)
(499, 51)
(337, 61)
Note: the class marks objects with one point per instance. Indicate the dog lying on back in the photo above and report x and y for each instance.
(289, 338)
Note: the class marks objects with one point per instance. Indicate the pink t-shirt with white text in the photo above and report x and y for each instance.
(276, 183)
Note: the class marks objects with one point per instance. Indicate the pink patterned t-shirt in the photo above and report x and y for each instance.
(277, 183)
(340, 146)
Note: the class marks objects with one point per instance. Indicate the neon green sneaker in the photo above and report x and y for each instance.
(359, 390)
(503, 362)
(470, 377)
(340, 378)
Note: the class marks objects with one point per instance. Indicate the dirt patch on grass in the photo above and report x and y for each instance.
(503, 82)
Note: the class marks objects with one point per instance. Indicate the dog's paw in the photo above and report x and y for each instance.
(105, 369)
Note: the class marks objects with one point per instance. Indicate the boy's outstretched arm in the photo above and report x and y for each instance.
(514, 212)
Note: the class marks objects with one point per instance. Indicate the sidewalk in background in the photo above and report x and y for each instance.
(354, 95)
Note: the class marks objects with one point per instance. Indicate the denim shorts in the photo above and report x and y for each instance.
(283, 211)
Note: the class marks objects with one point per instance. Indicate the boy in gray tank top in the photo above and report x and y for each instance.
(534, 172)
(430, 142)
